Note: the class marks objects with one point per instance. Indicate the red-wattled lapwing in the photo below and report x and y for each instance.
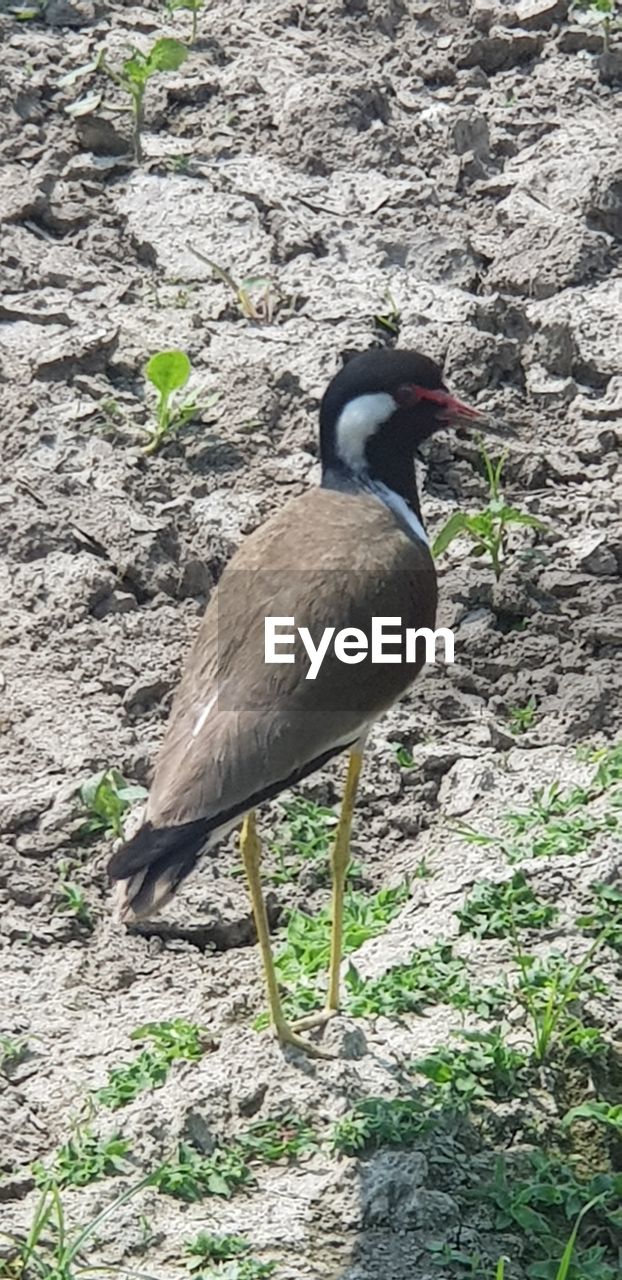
(242, 729)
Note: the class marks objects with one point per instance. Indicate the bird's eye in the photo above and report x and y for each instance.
(407, 394)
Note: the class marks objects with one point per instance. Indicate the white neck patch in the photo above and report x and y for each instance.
(358, 421)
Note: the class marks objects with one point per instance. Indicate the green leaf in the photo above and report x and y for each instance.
(456, 525)
(168, 371)
(166, 55)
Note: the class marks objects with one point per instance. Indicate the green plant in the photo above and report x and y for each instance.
(606, 915)
(487, 1067)
(72, 900)
(206, 1248)
(194, 6)
(488, 528)
(170, 1042)
(522, 718)
(53, 1251)
(106, 797)
(192, 1176)
(135, 73)
(390, 320)
(306, 837)
(12, 1051)
(307, 947)
(495, 910)
(85, 1158)
(541, 1202)
(607, 1113)
(256, 297)
(404, 756)
(270, 1140)
(380, 1122)
(434, 975)
(168, 372)
(548, 987)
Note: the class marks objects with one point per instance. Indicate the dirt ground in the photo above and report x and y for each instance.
(456, 165)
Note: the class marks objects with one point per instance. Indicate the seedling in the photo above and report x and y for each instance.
(12, 1051)
(168, 372)
(496, 910)
(380, 1122)
(521, 719)
(193, 1176)
(488, 1067)
(403, 756)
(307, 949)
(270, 1140)
(169, 1042)
(548, 988)
(599, 11)
(85, 1158)
(606, 915)
(487, 529)
(206, 1248)
(73, 899)
(307, 837)
(390, 320)
(53, 1251)
(194, 6)
(106, 797)
(135, 73)
(609, 1114)
(433, 976)
(541, 1202)
(256, 296)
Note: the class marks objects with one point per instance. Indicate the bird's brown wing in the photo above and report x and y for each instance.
(242, 730)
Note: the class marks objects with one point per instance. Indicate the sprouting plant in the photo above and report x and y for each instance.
(307, 948)
(521, 719)
(51, 1250)
(192, 1176)
(549, 988)
(605, 914)
(257, 297)
(434, 975)
(403, 756)
(496, 910)
(487, 1067)
(541, 1201)
(169, 1041)
(380, 1122)
(12, 1051)
(599, 11)
(207, 1248)
(72, 901)
(488, 528)
(194, 6)
(390, 319)
(607, 1113)
(85, 1158)
(106, 797)
(168, 372)
(135, 73)
(270, 1140)
(306, 837)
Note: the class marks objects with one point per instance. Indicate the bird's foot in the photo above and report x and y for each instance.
(286, 1034)
(317, 1019)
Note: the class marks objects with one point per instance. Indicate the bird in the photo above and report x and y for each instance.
(243, 729)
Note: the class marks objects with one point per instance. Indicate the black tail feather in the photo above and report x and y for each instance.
(157, 845)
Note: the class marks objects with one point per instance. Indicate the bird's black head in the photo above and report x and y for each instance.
(378, 410)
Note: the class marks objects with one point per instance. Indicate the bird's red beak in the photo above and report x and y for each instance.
(454, 413)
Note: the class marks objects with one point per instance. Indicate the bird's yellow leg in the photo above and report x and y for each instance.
(251, 856)
(339, 865)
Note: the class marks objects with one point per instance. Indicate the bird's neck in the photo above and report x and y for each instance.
(396, 488)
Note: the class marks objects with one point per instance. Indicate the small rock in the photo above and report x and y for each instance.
(610, 66)
(116, 602)
(539, 15)
(470, 133)
(576, 38)
(600, 561)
